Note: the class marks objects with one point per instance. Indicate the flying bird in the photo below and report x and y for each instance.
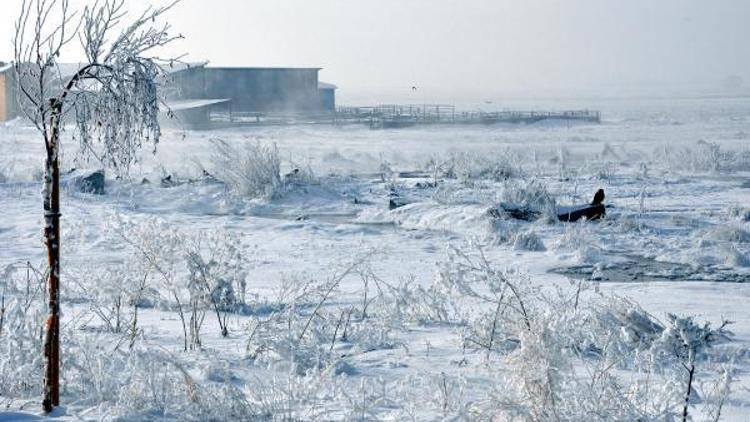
(598, 197)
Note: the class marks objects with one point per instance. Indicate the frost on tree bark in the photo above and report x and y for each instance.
(51, 193)
(52, 241)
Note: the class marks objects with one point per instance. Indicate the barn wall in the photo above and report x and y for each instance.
(251, 89)
(8, 96)
(187, 83)
(328, 99)
(3, 98)
(264, 89)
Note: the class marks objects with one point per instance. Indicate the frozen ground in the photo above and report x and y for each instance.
(396, 338)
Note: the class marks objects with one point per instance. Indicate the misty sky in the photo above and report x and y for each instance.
(471, 48)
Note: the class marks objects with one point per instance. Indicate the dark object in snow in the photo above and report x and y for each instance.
(412, 175)
(167, 182)
(425, 185)
(292, 176)
(145, 181)
(575, 213)
(516, 213)
(564, 214)
(598, 197)
(634, 267)
(86, 181)
(396, 202)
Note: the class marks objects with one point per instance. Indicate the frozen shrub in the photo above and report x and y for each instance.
(528, 241)
(468, 167)
(320, 394)
(501, 230)
(732, 234)
(159, 248)
(22, 314)
(216, 277)
(562, 368)
(706, 157)
(410, 302)
(115, 292)
(528, 195)
(304, 331)
(739, 213)
(685, 343)
(541, 382)
(150, 384)
(578, 238)
(288, 337)
(503, 298)
(563, 349)
(252, 170)
(734, 257)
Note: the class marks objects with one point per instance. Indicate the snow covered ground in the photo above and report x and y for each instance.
(352, 310)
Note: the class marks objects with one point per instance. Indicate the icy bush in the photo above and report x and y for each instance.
(467, 167)
(501, 230)
(704, 157)
(542, 382)
(305, 331)
(287, 337)
(739, 213)
(216, 276)
(578, 239)
(504, 298)
(252, 170)
(528, 241)
(563, 349)
(410, 302)
(734, 257)
(528, 195)
(149, 384)
(22, 314)
(729, 233)
(564, 366)
(115, 292)
(160, 249)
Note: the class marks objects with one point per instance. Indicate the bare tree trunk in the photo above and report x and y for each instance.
(691, 373)
(52, 240)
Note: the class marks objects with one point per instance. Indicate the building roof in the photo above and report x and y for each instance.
(260, 68)
(175, 67)
(326, 85)
(179, 105)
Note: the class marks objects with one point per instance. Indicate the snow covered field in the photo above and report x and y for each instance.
(337, 307)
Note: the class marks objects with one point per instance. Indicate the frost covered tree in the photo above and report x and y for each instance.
(112, 98)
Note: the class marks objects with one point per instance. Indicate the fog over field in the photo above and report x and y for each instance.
(468, 50)
(501, 259)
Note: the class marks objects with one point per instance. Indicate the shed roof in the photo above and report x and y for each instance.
(259, 68)
(179, 105)
(326, 85)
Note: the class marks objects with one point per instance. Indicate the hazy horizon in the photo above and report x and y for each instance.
(479, 49)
